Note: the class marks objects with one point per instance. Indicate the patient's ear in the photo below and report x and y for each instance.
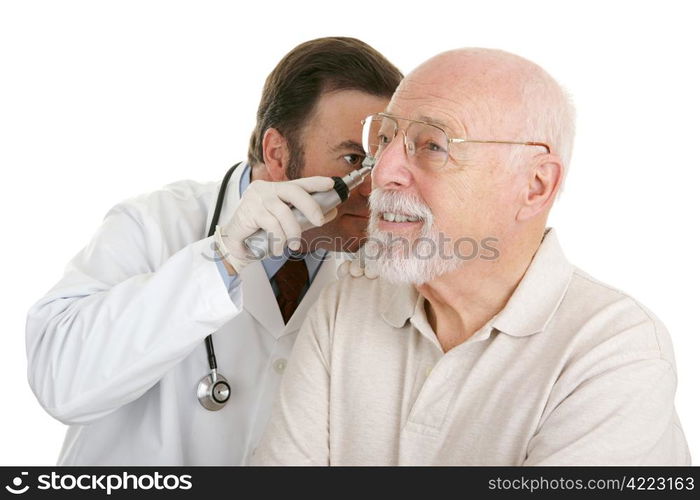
(275, 154)
(544, 178)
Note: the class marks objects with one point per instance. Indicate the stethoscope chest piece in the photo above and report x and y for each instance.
(213, 391)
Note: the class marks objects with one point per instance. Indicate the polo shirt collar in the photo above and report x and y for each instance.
(402, 304)
(539, 293)
(530, 307)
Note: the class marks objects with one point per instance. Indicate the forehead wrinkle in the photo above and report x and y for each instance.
(431, 107)
(475, 103)
(485, 89)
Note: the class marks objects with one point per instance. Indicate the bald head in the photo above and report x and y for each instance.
(497, 95)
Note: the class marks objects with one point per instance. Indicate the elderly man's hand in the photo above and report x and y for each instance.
(360, 265)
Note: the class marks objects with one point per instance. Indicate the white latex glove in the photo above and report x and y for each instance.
(360, 265)
(264, 205)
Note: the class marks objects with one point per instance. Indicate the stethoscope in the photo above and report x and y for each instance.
(213, 391)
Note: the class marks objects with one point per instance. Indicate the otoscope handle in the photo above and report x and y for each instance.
(258, 243)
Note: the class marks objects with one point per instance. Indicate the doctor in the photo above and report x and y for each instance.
(116, 349)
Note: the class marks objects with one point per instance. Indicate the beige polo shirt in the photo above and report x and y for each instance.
(571, 371)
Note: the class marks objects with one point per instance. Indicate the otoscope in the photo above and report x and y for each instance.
(258, 243)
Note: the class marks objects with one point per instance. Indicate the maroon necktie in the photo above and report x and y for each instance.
(291, 279)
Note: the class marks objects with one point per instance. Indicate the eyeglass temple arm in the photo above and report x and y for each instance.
(529, 143)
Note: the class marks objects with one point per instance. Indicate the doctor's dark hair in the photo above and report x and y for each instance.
(308, 71)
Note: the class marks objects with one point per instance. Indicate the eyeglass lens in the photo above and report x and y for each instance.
(426, 143)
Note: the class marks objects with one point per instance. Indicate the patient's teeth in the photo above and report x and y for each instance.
(391, 217)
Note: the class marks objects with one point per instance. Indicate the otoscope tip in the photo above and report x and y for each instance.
(369, 162)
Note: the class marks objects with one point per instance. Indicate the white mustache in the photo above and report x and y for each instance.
(381, 200)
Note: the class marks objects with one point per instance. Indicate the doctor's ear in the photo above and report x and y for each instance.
(544, 179)
(275, 154)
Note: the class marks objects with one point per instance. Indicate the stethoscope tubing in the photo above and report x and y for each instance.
(213, 391)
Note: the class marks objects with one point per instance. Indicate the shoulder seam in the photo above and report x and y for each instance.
(641, 308)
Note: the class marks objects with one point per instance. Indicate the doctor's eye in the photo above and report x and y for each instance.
(353, 159)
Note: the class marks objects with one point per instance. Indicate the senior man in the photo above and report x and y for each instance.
(480, 343)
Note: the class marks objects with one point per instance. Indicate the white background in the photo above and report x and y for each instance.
(100, 101)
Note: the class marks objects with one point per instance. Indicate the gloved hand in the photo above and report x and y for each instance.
(264, 206)
(360, 265)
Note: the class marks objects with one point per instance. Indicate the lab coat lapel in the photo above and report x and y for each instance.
(259, 299)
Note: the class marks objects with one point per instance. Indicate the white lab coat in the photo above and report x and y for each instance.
(115, 349)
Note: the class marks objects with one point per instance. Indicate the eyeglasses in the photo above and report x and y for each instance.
(427, 143)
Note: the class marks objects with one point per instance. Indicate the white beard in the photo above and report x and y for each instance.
(405, 259)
